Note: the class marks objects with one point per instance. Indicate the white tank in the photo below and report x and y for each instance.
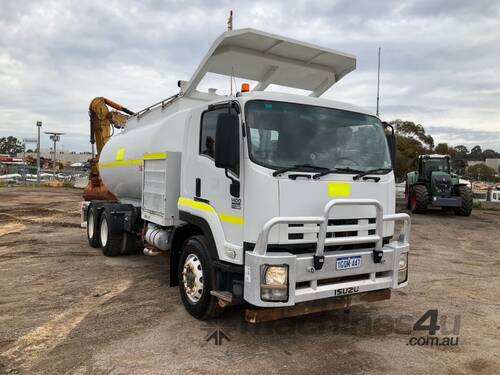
(121, 160)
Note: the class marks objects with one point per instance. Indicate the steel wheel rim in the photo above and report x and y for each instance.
(104, 232)
(413, 200)
(192, 278)
(90, 225)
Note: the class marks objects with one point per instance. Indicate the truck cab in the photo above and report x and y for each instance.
(271, 199)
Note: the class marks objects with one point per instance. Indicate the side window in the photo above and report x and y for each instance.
(207, 133)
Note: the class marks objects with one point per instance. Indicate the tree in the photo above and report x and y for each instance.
(411, 141)
(476, 153)
(490, 154)
(10, 145)
(461, 150)
(481, 172)
(442, 149)
(416, 131)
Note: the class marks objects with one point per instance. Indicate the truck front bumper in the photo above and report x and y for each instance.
(378, 269)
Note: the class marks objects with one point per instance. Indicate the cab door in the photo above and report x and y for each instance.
(213, 186)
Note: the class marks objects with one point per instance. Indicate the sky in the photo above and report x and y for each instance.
(440, 64)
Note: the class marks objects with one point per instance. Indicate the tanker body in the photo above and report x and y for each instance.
(274, 200)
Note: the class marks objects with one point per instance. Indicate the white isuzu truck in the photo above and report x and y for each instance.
(279, 201)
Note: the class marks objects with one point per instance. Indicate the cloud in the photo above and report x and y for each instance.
(439, 58)
(466, 137)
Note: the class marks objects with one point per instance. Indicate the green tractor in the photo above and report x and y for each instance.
(434, 184)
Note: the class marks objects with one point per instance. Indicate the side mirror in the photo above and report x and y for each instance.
(227, 144)
(391, 142)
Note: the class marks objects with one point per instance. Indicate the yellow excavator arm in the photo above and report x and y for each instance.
(101, 122)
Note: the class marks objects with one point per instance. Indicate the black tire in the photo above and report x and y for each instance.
(407, 196)
(466, 208)
(419, 199)
(111, 243)
(206, 306)
(92, 227)
(130, 244)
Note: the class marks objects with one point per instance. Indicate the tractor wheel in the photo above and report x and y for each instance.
(466, 208)
(419, 198)
(408, 196)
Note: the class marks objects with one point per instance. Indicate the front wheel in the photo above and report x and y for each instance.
(197, 278)
(465, 208)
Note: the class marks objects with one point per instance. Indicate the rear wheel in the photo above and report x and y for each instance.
(92, 232)
(197, 278)
(466, 207)
(419, 198)
(111, 243)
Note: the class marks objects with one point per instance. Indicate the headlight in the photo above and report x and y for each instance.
(274, 283)
(403, 268)
(275, 275)
(403, 261)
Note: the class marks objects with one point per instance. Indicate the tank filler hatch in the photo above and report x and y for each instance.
(272, 59)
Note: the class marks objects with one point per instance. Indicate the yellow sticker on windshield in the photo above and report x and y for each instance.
(339, 189)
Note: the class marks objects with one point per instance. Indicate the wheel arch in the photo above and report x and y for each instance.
(195, 226)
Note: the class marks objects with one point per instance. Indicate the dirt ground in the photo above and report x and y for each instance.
(65, 308)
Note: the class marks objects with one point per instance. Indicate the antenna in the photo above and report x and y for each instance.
(230, 21)
(378, 81)
(229, 28)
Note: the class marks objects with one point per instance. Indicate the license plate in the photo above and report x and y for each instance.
(346, 263)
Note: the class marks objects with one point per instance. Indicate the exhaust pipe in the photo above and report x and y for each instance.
(151, 252)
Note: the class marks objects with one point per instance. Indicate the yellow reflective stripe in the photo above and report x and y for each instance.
(232, 219)
(120, 163)
(194, 204)
(120, 153)
(155, 155)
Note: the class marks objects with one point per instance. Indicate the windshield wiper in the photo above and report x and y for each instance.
(371, 171)
(335, 170)
(298, 167)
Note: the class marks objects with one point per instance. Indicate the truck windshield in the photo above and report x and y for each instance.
(287, 134)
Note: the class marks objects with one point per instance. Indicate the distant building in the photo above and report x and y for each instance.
(471, 163)
(493, 163)
(64, 156)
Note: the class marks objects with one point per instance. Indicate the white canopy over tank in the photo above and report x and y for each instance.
(272, 59)
(250, 54)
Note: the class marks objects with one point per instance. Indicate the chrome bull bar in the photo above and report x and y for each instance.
(262, 241)
(381, 272)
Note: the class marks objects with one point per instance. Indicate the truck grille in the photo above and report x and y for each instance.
(306, 233)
